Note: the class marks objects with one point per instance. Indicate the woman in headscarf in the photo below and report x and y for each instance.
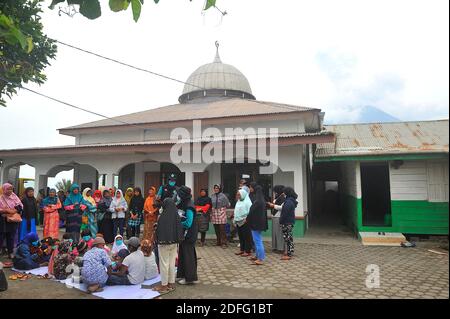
(118, 209)
(276, 205)
(51, 215)
(187, 255)
(169, 232)
(29, 214)
(287, 221)
(150, 214)
(24, 259)
(257, 220)
(136, 209)
(61, 212)
(74, 206)
(97, 196)
(203, 206)
(220, 203)
(241, 210)
(104, 220)
(10, 204)
(91, 211)
(62, 259)
(128, 196)
(118, 245)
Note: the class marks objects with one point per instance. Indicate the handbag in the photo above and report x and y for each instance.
(14, 218)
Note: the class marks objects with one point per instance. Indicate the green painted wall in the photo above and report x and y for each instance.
(299, 229)
(410, 217)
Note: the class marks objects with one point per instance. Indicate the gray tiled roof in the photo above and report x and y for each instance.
(386, 138)
(194, 111)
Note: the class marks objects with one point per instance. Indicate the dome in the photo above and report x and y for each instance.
(217, 80)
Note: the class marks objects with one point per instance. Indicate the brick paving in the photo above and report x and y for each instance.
(331, 271)
(319, 269)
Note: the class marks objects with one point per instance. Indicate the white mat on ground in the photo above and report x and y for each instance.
(126, 292)
(38, 271)
(119, 292)
(152, 281)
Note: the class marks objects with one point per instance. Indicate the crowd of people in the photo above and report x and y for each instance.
(96, 223)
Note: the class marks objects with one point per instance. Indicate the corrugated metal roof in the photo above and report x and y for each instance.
(196, 111)
(164, 142)
(386, 138)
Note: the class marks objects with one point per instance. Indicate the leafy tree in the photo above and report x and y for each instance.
(24, 49)
(63, 185)
(91, 8)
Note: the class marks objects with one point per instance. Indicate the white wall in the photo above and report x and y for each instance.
(285, 126)
(437, 173)
(351, 182)
(85, 174)
(409, 181)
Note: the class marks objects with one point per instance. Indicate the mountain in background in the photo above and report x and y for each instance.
(370, 114)
(365, 114)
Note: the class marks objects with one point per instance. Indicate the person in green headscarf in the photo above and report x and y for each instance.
(74, 206)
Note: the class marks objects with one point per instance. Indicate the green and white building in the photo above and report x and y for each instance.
(389, 177)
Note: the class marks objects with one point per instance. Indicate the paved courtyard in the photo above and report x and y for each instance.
(318, 270)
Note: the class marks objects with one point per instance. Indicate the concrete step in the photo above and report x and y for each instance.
(381, 239)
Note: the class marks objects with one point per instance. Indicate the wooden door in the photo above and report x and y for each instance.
(200, 181)
(152, 179)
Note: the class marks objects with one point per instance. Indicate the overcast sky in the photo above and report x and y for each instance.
(332, 55)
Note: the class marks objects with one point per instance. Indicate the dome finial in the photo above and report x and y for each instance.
(217, 58)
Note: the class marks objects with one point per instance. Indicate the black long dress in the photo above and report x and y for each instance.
(105, 225)
(187, 255)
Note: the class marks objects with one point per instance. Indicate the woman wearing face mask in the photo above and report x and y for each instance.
(24, 259)
(220, 203)
(118, 245)
(86, 235)
(169, 190)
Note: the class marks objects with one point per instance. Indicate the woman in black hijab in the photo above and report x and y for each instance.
(187, 256)
(257, 220)
(29, 213)
(104, 220)
(169, 232)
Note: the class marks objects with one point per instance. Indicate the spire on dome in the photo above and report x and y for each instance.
(217, 58)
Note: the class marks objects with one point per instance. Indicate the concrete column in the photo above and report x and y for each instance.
(189, 179)
(139, 175)
(40, 180)
(109, 179)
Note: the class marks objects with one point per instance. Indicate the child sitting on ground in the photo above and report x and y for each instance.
(151, 269)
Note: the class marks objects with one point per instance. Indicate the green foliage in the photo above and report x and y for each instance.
(209, 4)
(63, 185)
(24, 49)
(91, 8)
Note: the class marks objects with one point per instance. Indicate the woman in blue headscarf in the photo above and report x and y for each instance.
(24, 259)
(74, 206)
